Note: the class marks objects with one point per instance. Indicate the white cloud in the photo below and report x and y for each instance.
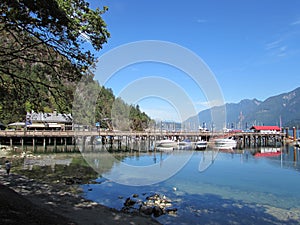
(277, 48)
(282, 51)
(204, 104)
(201, 21)
(297, 22)
(162, 114)
(273, 44)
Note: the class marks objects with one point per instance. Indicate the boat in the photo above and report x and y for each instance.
(166, 144)
(201, 145)
(225, 143)
(268, 152)
(165, 149)
(297, 143)
(185, 145)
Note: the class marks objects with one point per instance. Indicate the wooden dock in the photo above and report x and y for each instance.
(125, 139)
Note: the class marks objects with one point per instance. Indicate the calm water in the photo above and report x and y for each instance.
(235, 189)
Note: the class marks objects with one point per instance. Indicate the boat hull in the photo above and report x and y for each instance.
(166, 144)
(201, 145)
(225, 143)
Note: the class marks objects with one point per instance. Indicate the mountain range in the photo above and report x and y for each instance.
(281, 110)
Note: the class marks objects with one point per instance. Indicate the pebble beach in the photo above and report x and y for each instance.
(27, 201)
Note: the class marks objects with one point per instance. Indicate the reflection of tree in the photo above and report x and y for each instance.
(49, 171)
(103, 162)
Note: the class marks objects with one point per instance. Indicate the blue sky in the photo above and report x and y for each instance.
(251, 47)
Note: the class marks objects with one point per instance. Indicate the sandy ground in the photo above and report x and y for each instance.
(25, 201)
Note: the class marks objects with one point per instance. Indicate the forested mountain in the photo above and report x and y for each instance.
(43, 57)
(14, 109)
(242, 115)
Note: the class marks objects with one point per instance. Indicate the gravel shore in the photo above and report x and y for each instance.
(26, 201)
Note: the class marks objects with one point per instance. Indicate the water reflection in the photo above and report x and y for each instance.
(261, 190)
(51, 161)
(137, 168)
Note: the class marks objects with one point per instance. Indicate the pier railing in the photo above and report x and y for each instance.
(73, 137)
(72, 133)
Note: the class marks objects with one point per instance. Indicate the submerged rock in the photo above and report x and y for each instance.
(129, 202)
(154, 204)
(157, 211)
(171, 210)
(147, 210)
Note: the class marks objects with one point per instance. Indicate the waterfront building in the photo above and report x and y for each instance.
(48, 121)
(266, 129)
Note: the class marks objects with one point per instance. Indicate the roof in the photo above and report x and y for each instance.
(49, 117)
(265, 128)
(17, 124)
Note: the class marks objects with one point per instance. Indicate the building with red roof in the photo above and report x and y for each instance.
(266, 129)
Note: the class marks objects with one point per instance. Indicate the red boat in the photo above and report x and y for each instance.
(268, 152)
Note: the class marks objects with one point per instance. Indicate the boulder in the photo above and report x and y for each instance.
(147, 210)
(129, 202)
(157, 211)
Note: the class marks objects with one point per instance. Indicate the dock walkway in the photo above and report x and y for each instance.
(73, 137)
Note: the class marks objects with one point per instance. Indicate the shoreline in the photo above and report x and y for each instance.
(58, 203)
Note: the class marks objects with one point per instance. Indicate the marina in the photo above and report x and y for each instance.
(202, 182)
(72, 140)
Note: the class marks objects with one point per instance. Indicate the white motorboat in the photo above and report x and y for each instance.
(165, 149)
(185, 145)
(225, 143)
(297, 143)
(166, 143)
(201, 145)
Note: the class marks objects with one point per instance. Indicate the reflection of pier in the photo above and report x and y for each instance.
(127, 140)
(29, 162)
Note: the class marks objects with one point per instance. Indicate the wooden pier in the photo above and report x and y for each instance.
(126, 140)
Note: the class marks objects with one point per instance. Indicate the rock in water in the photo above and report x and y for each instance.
(171, 211)
(157, 211)
(147, 210)
(129, 202)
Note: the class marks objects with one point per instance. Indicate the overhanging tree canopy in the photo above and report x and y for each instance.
(42, 55)
(45, 38)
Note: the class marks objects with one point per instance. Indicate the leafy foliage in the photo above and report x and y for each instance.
(94, 103)
(41, 54)
(139, 119)
(58, 27)
(42, 59)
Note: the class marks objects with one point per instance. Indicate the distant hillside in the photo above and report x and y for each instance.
(247, 112)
